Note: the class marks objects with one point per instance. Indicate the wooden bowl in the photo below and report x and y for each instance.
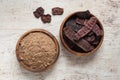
(31, 31)
(75, 52)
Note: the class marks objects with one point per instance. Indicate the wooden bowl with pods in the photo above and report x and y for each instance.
(81, 33)
(37, 50)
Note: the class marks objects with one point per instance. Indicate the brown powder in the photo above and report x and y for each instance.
(37, 51)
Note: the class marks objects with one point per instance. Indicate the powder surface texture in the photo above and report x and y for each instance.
(37, 50)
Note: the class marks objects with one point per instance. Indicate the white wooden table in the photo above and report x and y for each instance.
(16, 17)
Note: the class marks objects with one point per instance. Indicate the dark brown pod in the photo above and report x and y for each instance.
(90, 34)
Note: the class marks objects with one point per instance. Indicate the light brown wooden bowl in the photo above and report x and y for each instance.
(75, 52)
(43, 31)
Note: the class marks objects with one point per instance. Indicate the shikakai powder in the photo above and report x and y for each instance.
(37, 51)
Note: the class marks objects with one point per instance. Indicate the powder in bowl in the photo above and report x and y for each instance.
(37, 50)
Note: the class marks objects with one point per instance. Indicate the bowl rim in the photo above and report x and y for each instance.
(47, 33)
(75, 52)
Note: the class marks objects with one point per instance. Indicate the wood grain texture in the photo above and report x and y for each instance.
(17, 17)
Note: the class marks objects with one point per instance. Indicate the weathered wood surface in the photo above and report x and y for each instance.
(16, 18)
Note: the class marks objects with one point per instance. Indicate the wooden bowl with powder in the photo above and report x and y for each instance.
(36, 50)
(81, 33)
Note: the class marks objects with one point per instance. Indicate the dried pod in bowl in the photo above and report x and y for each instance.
(83, 30)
